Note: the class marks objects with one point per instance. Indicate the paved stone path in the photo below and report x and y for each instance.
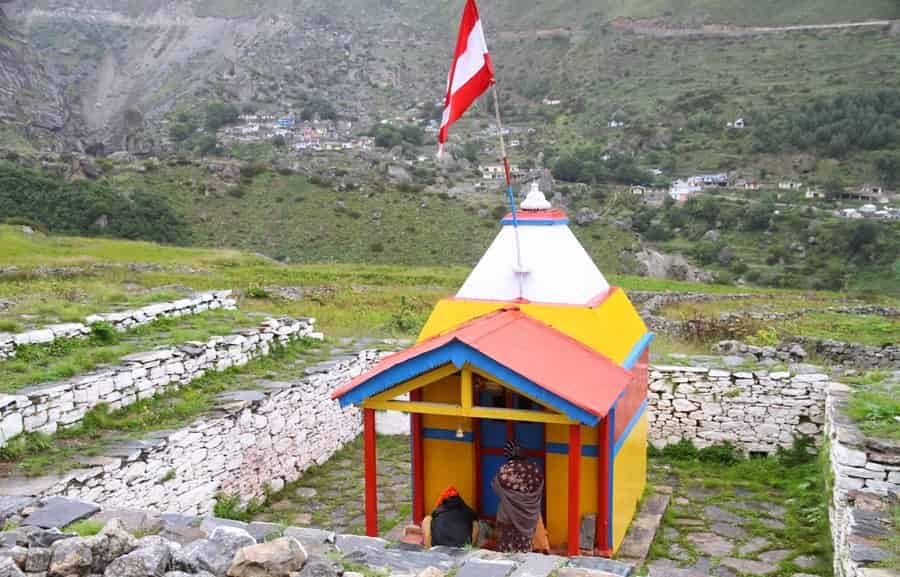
(330, 496)
(725, 530)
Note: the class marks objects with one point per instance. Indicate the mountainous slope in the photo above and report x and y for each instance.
(128, 64)
(28, 97)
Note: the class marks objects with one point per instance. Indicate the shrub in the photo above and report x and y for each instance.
(722, 453)
(104, 333)
(376, 247)
(257, 292)
(800, 453)
(85, 528)
(683, 450)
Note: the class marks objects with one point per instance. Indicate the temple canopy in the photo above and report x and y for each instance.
(518, 350)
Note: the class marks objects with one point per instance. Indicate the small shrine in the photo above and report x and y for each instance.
(535, 347)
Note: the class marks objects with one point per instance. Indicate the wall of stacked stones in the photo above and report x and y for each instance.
(121, 321)
(866, 481)
(49, 406)
(757, 411)
(260, 440)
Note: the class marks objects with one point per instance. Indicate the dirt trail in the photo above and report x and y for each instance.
(660, 28)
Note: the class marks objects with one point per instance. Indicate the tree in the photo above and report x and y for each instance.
(888, 166)
(219, 114)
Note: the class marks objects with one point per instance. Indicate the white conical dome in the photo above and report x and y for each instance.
(555, 267)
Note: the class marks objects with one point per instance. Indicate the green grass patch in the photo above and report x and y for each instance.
(37, 454)
(84, 528)
(65, 358)
(875, 405)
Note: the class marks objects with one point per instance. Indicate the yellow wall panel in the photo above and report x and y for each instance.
(557, 479)
(448, 463)
(612, 329)
(445, 390)
(629, 479)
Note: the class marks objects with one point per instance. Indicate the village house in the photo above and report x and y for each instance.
(681, 190)
(552, 102)
(702, 180)
(739, 123)
(813, 193)
(790, 185)
(496, 172)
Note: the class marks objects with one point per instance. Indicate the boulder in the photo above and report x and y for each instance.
(37, 560)
(317, 566)
(70, 557)
(146, 562)
(8, 568)
(16, 553)
(277, 558)
(213, 554)
(112, 542)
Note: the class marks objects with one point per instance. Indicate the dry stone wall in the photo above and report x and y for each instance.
(757, 411)
(866, 481)
(122, 320)
(49, 406)
(257, 440)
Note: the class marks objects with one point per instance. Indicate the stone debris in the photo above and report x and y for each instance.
(121, 321)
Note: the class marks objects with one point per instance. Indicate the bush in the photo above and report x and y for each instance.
(104, 333)
(721, 453)
(800, 453)
(683, 450)
(257, 292)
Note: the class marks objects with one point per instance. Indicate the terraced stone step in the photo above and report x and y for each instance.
(120, 320)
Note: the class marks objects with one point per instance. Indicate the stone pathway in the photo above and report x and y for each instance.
(720, 528)
(331, 497)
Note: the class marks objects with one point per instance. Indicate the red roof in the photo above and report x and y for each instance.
(533, 350)
(550, 214)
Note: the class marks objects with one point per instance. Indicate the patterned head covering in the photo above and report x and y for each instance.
(512, 450)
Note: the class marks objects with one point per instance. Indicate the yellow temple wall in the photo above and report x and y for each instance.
(611, 328)
(447, 462)
(557, 479)
(629, 478)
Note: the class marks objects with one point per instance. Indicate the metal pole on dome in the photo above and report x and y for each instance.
(509, 190)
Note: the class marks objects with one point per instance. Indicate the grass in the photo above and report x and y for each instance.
(793, 480)
(65, 358)
(37, 454)
(875, 404)
(84, 528)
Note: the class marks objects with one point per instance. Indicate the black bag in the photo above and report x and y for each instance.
(451, 523)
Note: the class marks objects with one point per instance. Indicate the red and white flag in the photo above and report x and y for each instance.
(471, 73)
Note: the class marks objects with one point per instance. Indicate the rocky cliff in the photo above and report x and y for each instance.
(28, 96)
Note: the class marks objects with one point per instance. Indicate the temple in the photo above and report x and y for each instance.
(535, 346)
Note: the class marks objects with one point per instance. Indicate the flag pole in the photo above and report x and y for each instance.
(509, 189)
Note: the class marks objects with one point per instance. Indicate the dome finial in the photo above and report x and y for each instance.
(535, 199)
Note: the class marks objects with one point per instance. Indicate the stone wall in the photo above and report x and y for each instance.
(258, 439)
(48, 406)
(122, 321)
(866, 480)
(757, 411)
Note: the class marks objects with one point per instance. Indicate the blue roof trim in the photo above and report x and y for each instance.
(537, 222)
(447, 435)
(459, 354)
(563, 449)
(637, 350)
(631, 424)
(531, 389)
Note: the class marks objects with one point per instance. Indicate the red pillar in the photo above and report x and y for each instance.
(574, 487)
(604, 447)
(418, 455)
(371, 482)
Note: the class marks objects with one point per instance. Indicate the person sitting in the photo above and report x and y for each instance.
(519, 485)
(452, 523)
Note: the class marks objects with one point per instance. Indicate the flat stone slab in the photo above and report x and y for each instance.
(486, 568)
(636, 546)
(774, 556)
(711, 544)
(148, 356)
(133, 519)
(748, 566)
(350, 543)
(662, 569)
(728, 530)
(263, 532)
(717, 514)
(537, 565)
(209, 524)
(400, 560)
(28, 486)
(753, 545)
(602, 564)
(11, 505)
(60, 512)
(242, 396)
